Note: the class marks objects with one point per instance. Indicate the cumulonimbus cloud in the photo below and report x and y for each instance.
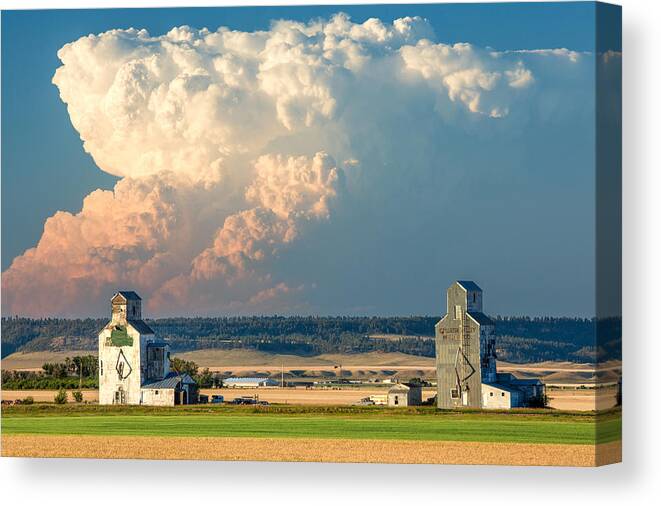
(226, 145)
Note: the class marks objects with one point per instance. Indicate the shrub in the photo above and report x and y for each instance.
(37, 381)
(541, 401)
(205, 379)
(183, 367)
(429, 402)
(78, 396)
(61, 397)
(28, 400)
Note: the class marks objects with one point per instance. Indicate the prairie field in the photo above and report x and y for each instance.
(574, 381)
(324, 434)
(46, 395)
(521, 426)
(567, 399)
(307, 396)
(217, 359)
(309, 450)
(32, 361)
(240, 361)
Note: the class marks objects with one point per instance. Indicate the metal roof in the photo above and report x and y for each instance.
(480, 318)
(140, 326)
(246, 380)
(526, 381)
(399, 387)
(157, 344)
(470, 286)
(500, 386)
(509, 378)
(172, 380)
(128, 295)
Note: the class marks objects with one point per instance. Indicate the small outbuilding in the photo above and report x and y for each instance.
(249, 382)
(496, 396)
(531, 388)
(511, 392)
(172, 390)
(405, 394)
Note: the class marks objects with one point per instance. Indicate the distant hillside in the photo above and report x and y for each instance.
(218, 358)
(48, 334)
(36, 359)
(354, 366)
(520, 339)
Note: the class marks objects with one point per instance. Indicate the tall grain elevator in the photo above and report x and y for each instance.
(465, 348)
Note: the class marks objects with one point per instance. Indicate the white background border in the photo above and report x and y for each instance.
(636, 482)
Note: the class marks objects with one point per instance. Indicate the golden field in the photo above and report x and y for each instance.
(309, 450)
(243, 362)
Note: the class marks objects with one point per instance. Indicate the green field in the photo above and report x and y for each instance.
(361, 424)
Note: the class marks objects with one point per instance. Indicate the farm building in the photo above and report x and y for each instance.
(495, 396)
(134, 366)
(172, 389)
(466, 357)
(249, 382)
(405, 394)
(379, 399)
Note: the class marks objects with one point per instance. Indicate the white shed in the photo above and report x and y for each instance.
(405, 394)
(497, 396)
(249, 382)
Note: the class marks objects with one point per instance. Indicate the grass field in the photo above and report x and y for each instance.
(349, 423)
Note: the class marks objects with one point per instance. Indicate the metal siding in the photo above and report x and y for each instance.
(448, 340)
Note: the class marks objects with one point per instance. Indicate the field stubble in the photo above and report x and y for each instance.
(308, 450)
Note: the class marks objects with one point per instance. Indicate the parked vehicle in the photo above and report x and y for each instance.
(365, 402)
(217, 399)
(245, 400)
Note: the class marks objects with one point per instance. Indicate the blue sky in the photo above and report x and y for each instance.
(44, 168)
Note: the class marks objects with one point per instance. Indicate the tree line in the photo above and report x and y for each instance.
(74, 372)
(81, 372)
(520, 339)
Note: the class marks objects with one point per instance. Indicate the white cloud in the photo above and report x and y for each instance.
(289, 193)
(220, 139)
(294, 186)
(475, 77)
